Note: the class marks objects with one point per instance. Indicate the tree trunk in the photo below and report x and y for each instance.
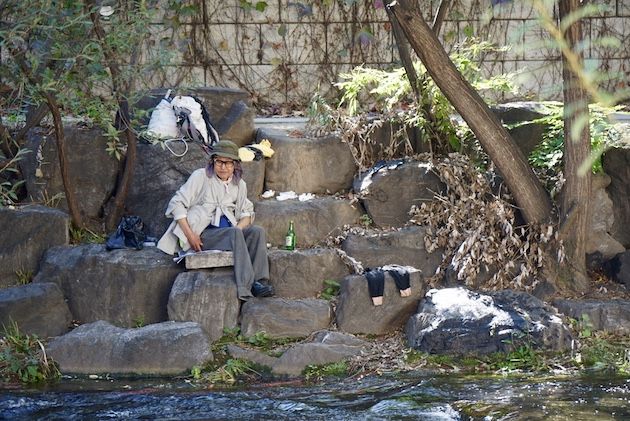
(122, 188)
(577, 147)
(528, 192)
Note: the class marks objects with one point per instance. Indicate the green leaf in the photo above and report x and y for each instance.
(261, 6)
(282, 30)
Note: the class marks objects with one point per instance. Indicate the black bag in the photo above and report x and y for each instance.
(129, 234)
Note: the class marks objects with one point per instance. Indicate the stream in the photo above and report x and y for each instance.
(407, 397)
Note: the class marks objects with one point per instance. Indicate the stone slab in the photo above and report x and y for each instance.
(209, 259)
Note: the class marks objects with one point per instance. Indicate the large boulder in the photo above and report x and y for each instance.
(321, 166)
(616, 163)
(462, 322)
(301, 273)
(527, 135)
(315, 219)
(158, 175)
(400, 247)
(38, 309)
(283, 318)
(357, 314)
(606, 315)
(230, 110)
(207, 297)
(390, 189)
(325, 348)
(167, 348)
(91, 170)
(126, 287)
(602, 220)
(27, 233)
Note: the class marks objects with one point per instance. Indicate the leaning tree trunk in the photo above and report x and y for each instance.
(528, 193)
(577, 147)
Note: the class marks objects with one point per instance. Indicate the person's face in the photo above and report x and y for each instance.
(223, 167)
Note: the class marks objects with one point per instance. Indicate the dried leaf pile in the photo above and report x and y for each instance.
(478, 233)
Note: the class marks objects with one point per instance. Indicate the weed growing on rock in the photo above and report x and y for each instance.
(23, 358)
(331, 289)
(317, 373)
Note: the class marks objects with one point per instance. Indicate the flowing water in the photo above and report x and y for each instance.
(420, 397)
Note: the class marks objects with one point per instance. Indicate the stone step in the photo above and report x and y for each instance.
(322, 166)
(301, 273)
(315, 220)
(209, 259)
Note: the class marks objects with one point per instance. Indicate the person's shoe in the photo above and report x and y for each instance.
(261, 290)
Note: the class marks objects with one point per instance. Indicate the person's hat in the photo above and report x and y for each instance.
(226, 149)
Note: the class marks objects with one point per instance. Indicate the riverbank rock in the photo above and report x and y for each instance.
(602, 220)
(27, 232)
(606, 315)
(301, 273)
(207, 297)
(462, 322)
(125, 287)
(327, 347)
(167, 348)
(616, 163)
(357, 314)
(320, 166)
(93, 179)
(400, 247)
(37, 309)
(283, 318)
(315, 219)
(618, 268)
(389, 190)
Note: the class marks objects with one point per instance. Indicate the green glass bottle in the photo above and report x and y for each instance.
(289, 240)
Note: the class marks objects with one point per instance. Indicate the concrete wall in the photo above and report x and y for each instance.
(282, 54)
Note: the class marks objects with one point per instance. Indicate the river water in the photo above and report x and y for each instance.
(412, 397)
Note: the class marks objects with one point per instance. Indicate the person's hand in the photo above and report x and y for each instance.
(195, 241)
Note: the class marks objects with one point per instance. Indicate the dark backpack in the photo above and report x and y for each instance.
(129, 234)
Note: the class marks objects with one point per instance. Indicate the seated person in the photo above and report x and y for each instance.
(211, 212)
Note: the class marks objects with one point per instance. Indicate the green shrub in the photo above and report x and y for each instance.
(23, 358)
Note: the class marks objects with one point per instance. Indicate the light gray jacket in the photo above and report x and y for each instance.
(202, 200)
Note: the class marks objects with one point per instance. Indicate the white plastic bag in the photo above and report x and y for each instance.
(163, 123)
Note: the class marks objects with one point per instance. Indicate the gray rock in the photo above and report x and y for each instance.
(616, 163)
(157, 176)
(124, 287)
(167, 348)
(606, 315)
(357, 314)
(27, 233)
(402, 247)
(322, 165)
(206, 297)
(461, 322)
(90, 167)
(389, 192)
(602, 220)
(254, 177)
(301, 273)
(314, 220)
(618, 268)
(282, 318)
(527, 136)
(37, 309)
(327, 347)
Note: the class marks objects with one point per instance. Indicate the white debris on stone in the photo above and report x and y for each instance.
(460, 303)
(268, 194)
(305, 197)
(286, 195)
